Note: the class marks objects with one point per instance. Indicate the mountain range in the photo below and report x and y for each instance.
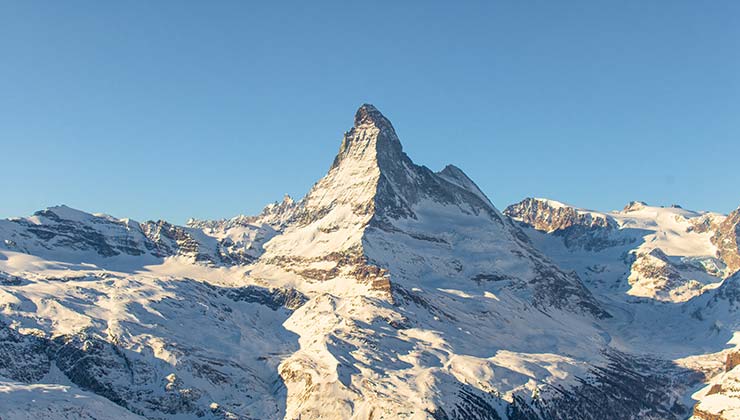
(389, 291)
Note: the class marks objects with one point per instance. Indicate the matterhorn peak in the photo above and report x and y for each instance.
(368, 114)
(371, 141)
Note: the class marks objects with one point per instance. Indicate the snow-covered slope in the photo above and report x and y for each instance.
(53, 401)
(388, 291)
(64, 234)
(668, 274)
(668, 254)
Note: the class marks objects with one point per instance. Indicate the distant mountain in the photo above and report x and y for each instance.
(643, 255)
(668, 254)
(388, 291)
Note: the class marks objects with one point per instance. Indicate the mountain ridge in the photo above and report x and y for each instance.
(388, 290)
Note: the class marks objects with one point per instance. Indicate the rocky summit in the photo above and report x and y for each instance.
(389, 291)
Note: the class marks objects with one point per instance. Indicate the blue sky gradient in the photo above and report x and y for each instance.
(176, 109)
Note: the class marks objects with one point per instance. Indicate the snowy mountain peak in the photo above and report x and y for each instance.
(634, 206)
(378, 216)
(63, 212)
(372, 139)
(368, 114)
(550, 216)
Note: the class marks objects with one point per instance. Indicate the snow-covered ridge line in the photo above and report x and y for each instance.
(551, 215)
(669, 253)
(388, 291)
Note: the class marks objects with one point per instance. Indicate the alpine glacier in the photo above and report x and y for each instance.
(388, 292)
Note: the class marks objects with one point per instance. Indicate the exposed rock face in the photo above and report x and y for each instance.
(705, 223)
(659, 253)
(733, 359)
(579, 228)
(722, 400)
(625, 386)
(653, 274)
(727, 240)
(70, 234)
(22, 356)
(166, 240)
(551, 216)
(275, 299)
(62, 228)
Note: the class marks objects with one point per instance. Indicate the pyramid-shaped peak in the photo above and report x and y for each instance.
(372, 139)
(368, 114)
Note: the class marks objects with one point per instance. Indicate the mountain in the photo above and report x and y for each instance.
(727, 240)
(400, 225)
(72, 234)
(388, 291)
(670, 273)
(669, 254)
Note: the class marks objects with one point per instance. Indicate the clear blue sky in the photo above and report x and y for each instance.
(157, 109)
